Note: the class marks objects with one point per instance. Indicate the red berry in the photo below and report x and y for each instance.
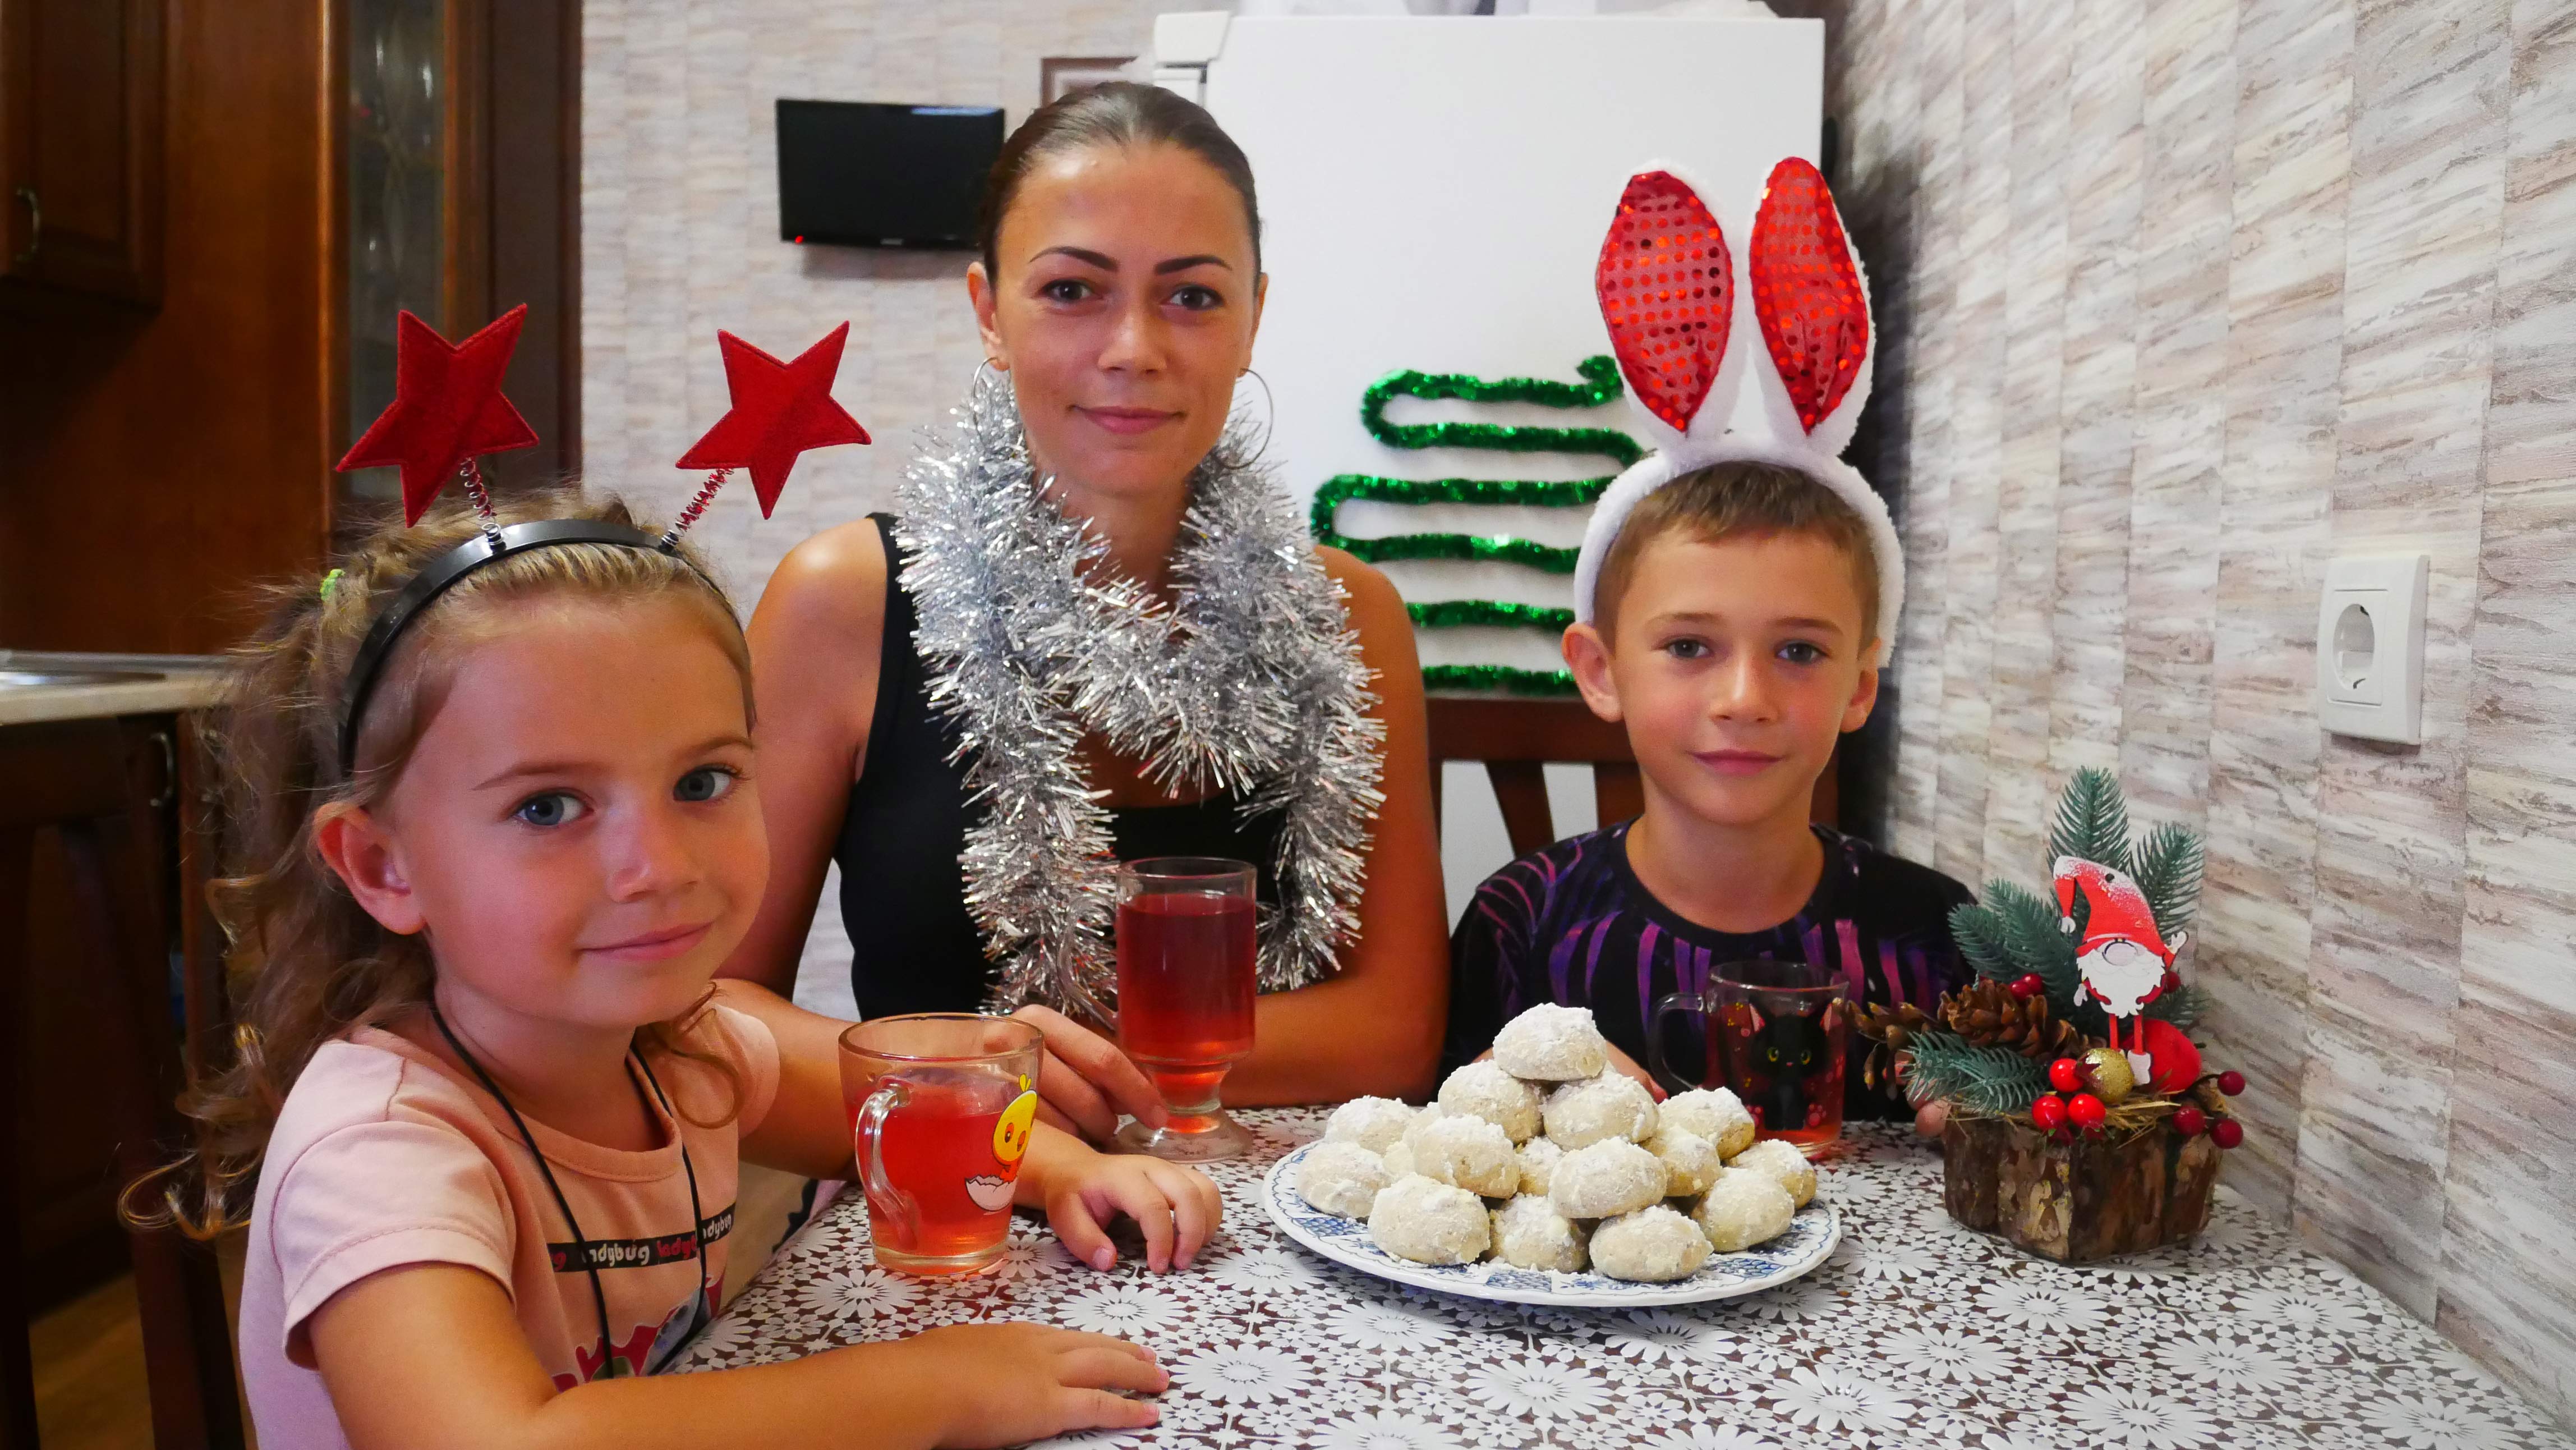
(2028, 985)
(2062, 1137)
(2172, 981)
(2231, 1082)
(2227, 1132)
(2085, 1111)
(2066, 1075)
(2189, 1122)
(2049, 1113)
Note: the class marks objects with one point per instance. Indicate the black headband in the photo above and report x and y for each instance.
(440, 573)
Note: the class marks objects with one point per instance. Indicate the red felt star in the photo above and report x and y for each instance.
(779, 410)
(447, 407)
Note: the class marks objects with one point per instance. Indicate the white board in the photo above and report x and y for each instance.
(1434, 193)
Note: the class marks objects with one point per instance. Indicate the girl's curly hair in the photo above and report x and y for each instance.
(305, 962)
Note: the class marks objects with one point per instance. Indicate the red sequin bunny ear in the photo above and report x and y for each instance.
(447, 410)
(780, 409)
(1667, 289)
(1806, 292)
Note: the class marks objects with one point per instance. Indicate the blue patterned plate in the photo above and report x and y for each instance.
(1811, 1236)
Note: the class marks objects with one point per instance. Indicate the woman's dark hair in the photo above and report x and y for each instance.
(1114, 113)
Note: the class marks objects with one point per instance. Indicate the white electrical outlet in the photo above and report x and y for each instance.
(2370, 647)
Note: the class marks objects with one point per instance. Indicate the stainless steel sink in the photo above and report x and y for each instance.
(18, 679)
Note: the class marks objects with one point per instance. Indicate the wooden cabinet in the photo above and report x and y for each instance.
(94, 857)
(81, 90)
(327, 161)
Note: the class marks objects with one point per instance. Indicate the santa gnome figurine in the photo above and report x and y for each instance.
(2125, 962)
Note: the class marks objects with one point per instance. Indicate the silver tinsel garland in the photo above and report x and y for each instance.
(1250, 681)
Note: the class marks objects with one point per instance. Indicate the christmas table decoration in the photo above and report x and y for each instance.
(2077, 1121)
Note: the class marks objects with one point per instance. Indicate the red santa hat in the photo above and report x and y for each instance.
(2116, 910)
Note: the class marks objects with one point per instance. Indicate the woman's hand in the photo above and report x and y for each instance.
(1082, 1190)
(1008, 1384)
(1085, 1082)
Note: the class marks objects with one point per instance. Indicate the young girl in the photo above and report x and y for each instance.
(481, 1087)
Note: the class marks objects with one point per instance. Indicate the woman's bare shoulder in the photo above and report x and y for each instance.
(1374, 602)
(830, 589)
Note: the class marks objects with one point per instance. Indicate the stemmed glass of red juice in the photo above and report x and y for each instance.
(1186, 950)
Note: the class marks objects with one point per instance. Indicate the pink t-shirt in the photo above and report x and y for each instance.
(383, 1157)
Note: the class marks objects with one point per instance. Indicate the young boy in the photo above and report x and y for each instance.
(1734, 632)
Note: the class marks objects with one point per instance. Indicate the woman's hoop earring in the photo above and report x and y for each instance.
(1270, 417)
(984, 372)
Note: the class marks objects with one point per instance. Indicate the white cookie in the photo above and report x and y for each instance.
(1530, 1234)
(1580, 1114)
(1744, 1207)
(1468, 1152)
(1713, 1113)
(1549, 1043)
(1539, 1157)
(1373, 1123)
(1484, 1090)
(1783, 1162)
(1611, 1177)
(1430, 1223)
(1691, 1162)
(1340, 1179)
(1650, 1246)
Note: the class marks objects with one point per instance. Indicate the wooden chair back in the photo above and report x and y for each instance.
(1516, 739)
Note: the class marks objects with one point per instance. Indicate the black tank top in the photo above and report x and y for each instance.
(913, 947)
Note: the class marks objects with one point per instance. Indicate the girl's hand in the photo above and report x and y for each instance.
(1008, 1384)
(1085, 1082)
(1082, 1190)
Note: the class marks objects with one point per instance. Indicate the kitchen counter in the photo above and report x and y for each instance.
(36, 685)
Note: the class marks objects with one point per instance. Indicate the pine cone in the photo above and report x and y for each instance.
(1891, 1028)
(1987, 1014)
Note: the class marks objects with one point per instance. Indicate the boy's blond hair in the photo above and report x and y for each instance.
(1739, 500)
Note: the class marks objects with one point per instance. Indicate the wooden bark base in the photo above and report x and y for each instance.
(2080, 1201)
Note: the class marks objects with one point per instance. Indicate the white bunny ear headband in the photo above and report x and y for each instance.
(1668, 285)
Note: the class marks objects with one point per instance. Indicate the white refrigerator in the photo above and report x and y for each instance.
(1434, 192)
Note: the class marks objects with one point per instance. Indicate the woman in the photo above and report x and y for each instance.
(1046, 558)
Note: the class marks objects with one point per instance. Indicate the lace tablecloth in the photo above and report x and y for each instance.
(1917, 1333)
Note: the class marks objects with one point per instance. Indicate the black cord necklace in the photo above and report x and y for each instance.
(581, 1245)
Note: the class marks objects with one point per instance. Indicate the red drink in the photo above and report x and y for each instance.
(939, 1150)
(1185, 990)
(1784, 1059)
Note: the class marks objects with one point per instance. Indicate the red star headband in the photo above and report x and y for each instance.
(1669, 287)
(448, 410)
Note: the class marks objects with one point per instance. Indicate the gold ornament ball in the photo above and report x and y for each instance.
(2107, 1070)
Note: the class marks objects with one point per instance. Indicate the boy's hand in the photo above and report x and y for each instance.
(1177, 1207)
(1013, 1383)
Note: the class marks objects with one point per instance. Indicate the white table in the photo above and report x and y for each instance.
(1917, 1334)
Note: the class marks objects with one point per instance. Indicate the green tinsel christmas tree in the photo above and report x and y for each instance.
(1600, 386)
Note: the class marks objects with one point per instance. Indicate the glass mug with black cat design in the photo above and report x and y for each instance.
(1775, 1034)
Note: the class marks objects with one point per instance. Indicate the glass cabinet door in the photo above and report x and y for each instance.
(397, 148)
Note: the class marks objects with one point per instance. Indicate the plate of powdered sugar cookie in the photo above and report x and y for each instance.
(1542, 1176)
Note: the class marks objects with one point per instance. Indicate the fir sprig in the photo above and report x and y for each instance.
(2167, 864)
(1985, 1079)
(2034, 938)
(1981, 940)
(2092, 820)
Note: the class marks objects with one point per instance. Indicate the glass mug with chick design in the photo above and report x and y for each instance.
(941, 1107)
